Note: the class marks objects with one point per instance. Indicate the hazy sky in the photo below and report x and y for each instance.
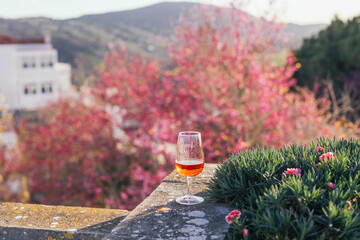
(295, 11)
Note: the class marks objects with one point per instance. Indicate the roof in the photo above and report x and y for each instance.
(9, 40)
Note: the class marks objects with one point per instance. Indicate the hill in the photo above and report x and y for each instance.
(158, 18)
(297, 32)
(83, 41)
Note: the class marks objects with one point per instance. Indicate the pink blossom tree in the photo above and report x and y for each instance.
(222, 84)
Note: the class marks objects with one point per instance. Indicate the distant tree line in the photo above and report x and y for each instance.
(332, 59)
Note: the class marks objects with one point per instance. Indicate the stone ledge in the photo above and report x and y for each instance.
(160, 217)
(34, 221)
(157, 217)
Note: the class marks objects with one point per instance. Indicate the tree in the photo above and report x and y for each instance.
(332, 57)
(222, 84)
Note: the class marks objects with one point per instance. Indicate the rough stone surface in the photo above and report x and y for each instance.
(34, 221)
(160, 217)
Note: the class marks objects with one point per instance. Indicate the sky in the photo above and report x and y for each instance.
(294, 11)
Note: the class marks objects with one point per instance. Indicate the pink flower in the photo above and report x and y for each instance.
(234, 214)
(320, 149)
(331, 185)
(327, 156)
(229, 219)
(293, 171)
(245, 232)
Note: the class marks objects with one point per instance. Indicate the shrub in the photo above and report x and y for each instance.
(71, 157)
(297, 192)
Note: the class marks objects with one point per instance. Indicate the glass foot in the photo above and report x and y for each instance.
(189, 200)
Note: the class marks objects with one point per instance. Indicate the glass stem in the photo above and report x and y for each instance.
(189, 184)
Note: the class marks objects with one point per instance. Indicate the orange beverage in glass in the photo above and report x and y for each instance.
(189, 162)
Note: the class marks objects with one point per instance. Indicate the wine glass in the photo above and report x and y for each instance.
(189, 162)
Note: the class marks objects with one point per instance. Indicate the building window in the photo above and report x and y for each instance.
(30, 89)
(47, 61)
(46, 88)
(29, 62)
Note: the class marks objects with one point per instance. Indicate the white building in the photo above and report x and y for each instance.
(30, 75)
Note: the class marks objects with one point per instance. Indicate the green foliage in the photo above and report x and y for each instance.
(276, 205)
(332, 53)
